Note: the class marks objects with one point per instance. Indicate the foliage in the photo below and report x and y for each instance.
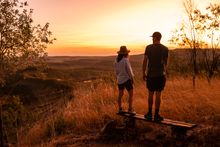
(201, 31)
(12, 111)
(202, 28)
(21, 43)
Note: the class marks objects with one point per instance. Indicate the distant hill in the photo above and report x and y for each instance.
(103, 62)
(179, 61)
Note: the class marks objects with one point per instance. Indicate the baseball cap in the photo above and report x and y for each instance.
(157, 35)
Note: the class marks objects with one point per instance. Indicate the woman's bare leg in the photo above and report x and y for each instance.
(130, 99)
(120, 94)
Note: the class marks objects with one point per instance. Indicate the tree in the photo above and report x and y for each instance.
(196, 34)
(209, 23)
(186, 36)
(21, 43)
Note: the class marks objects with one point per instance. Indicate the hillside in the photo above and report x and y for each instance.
(69, 101)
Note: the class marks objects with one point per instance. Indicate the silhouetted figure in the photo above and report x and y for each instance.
(154, 72)
(125, 76)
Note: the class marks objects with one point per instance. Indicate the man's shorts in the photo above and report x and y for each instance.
(128, 85)
(156, 83)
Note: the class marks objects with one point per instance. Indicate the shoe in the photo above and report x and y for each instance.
(130, 111)
(148, 116)
(157, 117)
(120, 111)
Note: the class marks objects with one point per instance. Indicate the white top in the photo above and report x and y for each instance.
(123, 70)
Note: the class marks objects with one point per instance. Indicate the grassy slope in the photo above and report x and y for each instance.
(95, 102)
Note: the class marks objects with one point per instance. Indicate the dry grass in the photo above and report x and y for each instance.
(94, 103)
(91, 106)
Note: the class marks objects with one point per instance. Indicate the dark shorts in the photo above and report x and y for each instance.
(128, 85)
(156, 83)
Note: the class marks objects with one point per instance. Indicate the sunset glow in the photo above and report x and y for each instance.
(100, 27)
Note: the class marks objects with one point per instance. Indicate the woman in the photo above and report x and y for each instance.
(124, 77)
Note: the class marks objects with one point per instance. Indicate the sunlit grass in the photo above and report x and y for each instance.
(179, 101)
(95, 103)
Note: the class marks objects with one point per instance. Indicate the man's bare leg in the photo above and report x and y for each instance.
(150, 105)
(150, 101)
(158, 100)
(157, 117)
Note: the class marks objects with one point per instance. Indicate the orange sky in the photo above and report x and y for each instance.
(100, 27)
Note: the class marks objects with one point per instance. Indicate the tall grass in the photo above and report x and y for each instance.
(96, 102)
(92, 106)
(180, 101)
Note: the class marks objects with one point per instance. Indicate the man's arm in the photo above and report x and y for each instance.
(144, 66)
(166, 61)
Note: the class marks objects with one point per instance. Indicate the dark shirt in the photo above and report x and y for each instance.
(157, 57)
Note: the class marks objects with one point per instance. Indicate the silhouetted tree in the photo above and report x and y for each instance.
(21, 43)
(209, 24)
(196, 34)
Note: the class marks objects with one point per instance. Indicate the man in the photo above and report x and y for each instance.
(154, 71)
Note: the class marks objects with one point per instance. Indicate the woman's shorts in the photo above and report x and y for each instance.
(156, 83)
(128, 85)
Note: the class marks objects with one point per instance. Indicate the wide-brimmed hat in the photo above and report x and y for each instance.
(157, 35)
(123, 50)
